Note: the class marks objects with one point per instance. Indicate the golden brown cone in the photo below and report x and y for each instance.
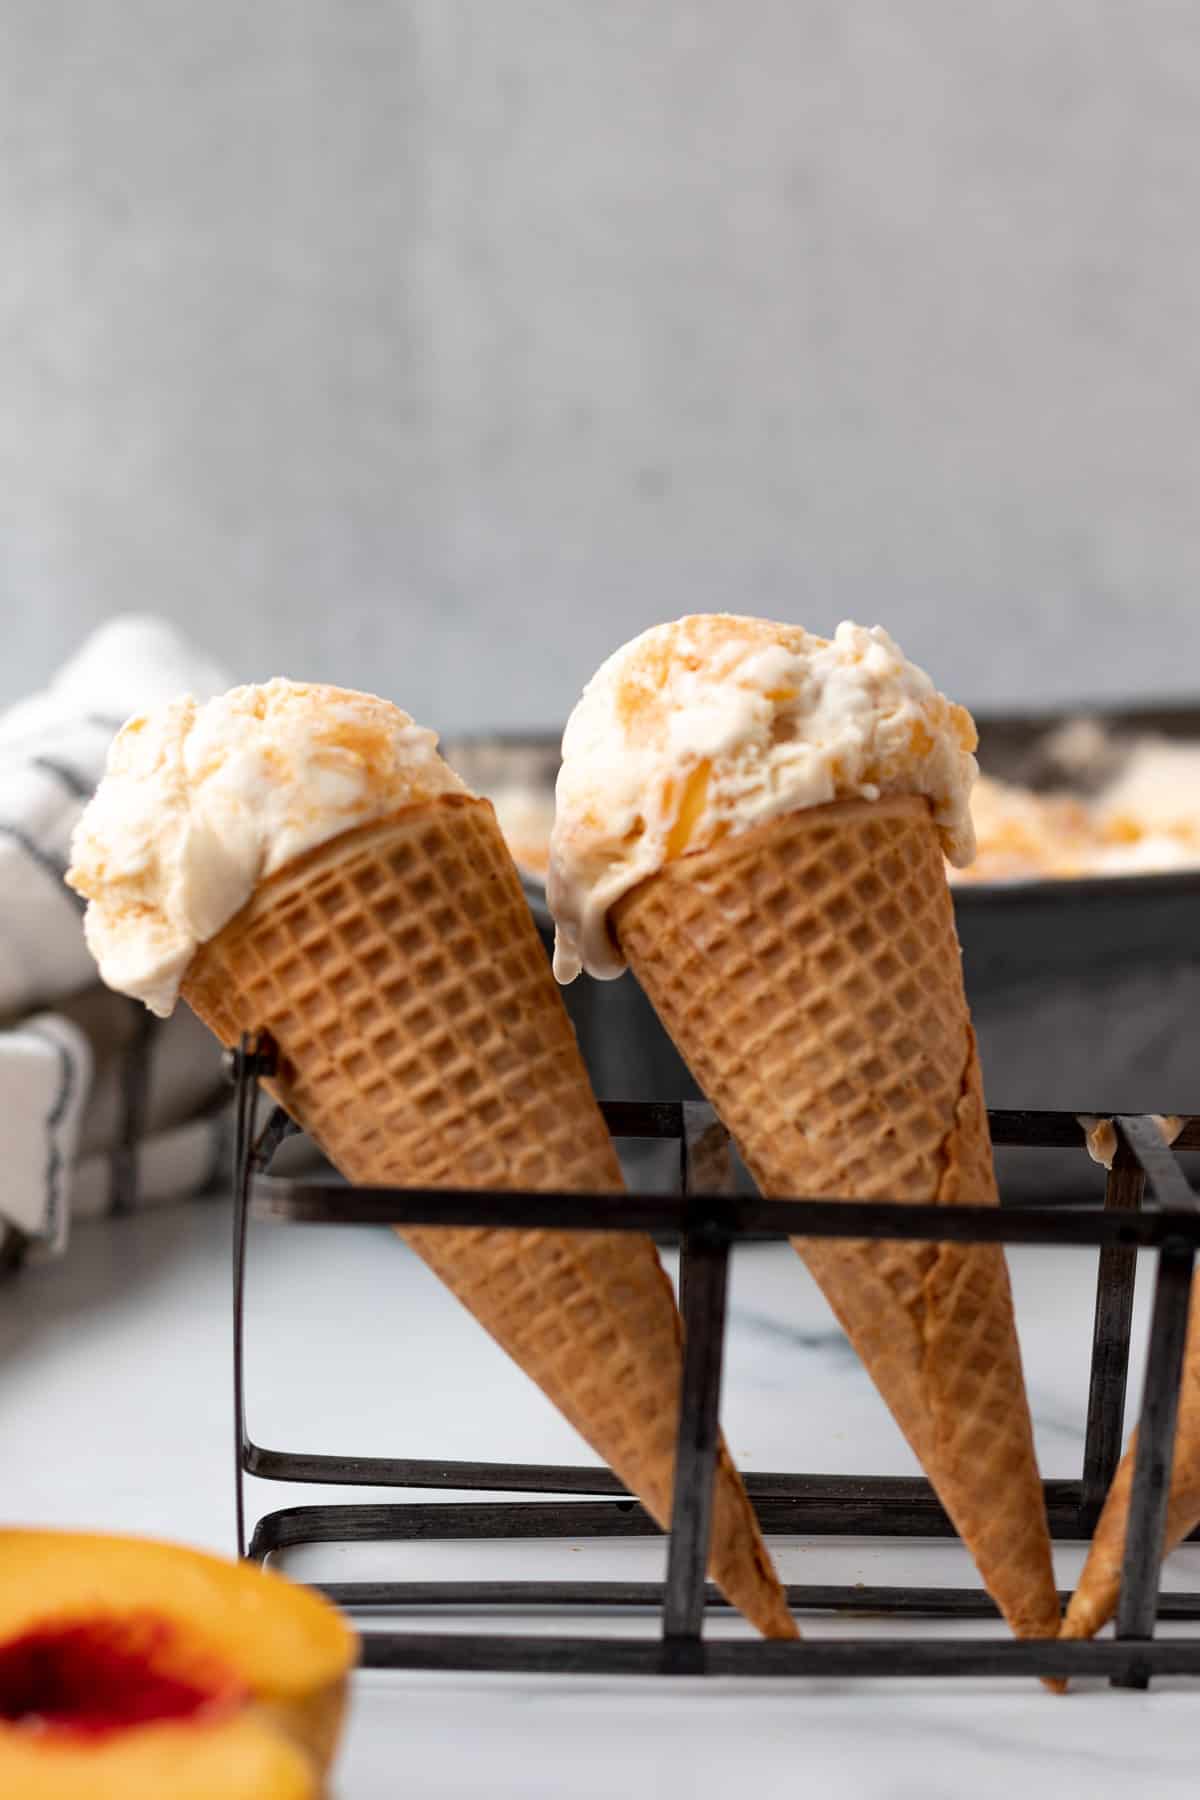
(810, 974)
(1095, 1599)
(423, 1042)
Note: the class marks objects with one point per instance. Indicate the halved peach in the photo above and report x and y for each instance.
(131, 1667)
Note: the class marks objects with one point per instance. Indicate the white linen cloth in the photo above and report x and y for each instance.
(102, 1107)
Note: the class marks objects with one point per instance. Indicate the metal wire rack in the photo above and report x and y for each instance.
(710, 1221)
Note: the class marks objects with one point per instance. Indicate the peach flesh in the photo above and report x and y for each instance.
(90, 1677)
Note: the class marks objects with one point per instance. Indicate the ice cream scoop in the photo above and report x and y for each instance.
(201, 802)
(714, 724)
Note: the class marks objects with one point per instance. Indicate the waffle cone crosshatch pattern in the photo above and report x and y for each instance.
(1149, 1207)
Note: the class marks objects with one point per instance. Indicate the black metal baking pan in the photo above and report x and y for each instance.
(1078, 988)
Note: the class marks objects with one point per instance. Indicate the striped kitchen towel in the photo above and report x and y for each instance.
(102, 1107)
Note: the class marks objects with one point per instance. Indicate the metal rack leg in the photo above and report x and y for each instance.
(704, 1285)
(1146, 1530)
(243, 1137)
(1115, 1279)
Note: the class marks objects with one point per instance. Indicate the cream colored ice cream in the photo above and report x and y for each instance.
(1019, 834)
(201, 802)
(526, 819)
(1154, 795)
(715, 723)
(1143, 820)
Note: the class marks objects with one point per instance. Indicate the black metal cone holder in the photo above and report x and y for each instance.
(709, 1221)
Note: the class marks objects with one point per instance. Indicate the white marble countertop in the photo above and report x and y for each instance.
(115, 1413)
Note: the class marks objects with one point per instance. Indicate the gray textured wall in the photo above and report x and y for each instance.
(439, 346)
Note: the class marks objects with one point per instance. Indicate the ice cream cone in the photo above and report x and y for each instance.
(422, 1041)
(1095, 1599)
(809, 972)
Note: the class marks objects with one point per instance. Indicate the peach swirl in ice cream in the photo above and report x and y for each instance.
(716, 723)
(201, 802)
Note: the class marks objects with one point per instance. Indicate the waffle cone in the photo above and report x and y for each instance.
(422, 1041)
(809, 972)
(1095, 1599)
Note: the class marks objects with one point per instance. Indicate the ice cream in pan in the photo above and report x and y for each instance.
(299, 859)
(754, 819)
